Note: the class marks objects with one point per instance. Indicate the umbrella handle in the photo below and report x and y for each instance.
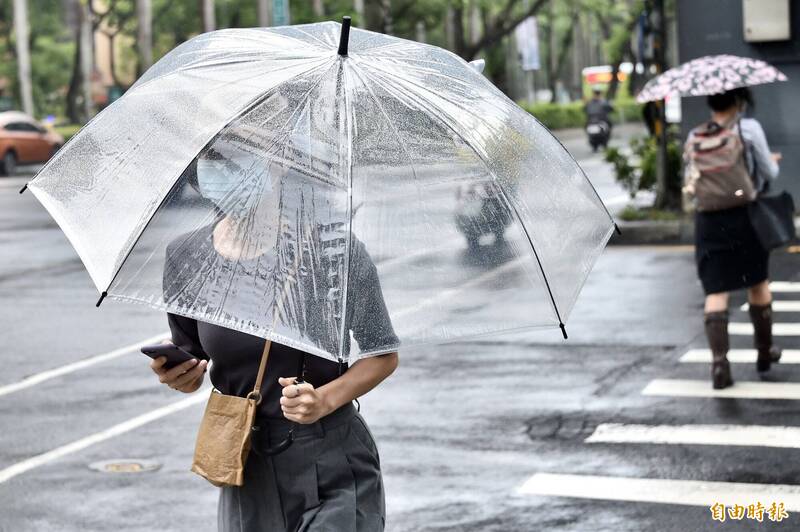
(282, 446)
(287, 442)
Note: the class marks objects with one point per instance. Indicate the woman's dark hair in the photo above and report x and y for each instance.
(726, 100)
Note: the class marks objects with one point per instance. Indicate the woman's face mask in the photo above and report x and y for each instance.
(234, 184)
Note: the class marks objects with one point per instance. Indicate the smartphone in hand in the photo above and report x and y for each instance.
(175, 355)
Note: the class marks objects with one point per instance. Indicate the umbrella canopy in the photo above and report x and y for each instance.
(258, 179)
(712, 74)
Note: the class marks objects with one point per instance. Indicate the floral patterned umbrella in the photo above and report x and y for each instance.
(711, 74)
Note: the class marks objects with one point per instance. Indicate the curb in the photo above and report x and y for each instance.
(647, 232)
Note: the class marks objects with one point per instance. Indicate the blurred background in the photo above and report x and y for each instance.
(79, 56)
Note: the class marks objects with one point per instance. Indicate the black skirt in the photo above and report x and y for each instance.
(728, 253)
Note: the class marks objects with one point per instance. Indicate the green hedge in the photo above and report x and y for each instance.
(568, 115)
(67, 131)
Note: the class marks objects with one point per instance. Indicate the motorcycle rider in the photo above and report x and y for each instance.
(598, 112)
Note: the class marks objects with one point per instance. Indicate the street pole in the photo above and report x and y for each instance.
(144, 33)
(319, 9)
(86, 58)
(208, 15)
(421, 32)
(663, 199)
(23, 55)
(265, 13)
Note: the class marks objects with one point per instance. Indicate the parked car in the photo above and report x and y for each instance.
(23, 140)
(480, 211)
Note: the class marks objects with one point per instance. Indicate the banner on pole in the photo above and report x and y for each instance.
(280, 13)
(527, 37)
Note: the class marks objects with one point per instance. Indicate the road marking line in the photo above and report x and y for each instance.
(750, 435)
(778, 329)
(784, 286)
(37, 378)
(737, 356)
(98, 437)
(779, 306)
(662, 491)
(452, 292)
(741, 390)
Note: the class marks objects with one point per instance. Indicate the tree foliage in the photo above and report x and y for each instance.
(470, 28)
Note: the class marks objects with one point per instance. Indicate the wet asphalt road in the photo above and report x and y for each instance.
(460, 427)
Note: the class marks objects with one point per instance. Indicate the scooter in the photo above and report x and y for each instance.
(598, 131)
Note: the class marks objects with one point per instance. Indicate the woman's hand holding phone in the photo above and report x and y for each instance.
(186, 377)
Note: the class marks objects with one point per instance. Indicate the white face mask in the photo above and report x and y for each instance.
(233, 184)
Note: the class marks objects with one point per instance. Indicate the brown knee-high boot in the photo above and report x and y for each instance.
(717, 334)
(761, 316)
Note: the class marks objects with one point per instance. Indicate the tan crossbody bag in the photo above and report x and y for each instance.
(223, 440)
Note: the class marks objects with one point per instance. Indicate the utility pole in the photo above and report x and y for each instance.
(421, 32)
(319, 8)
(86, 57)
(208, 15)
(144, 33)
(265, 13)
(23, 55)
(663, 192)
(388, 21)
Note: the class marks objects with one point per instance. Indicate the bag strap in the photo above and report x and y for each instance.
(262, 367)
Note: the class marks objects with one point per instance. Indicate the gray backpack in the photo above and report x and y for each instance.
(716, 168)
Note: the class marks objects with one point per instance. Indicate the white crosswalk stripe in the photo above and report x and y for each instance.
(740, 390)
(778, 329)
(739, 435)
(784, 286)
(664, 491)
(737, 356)
(779, 306)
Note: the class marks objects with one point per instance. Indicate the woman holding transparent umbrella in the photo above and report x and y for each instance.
(329, 478)
(394, 124)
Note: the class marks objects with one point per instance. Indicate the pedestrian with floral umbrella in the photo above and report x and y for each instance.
(728, 166)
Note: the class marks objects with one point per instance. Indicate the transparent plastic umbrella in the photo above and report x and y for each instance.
(252, 178)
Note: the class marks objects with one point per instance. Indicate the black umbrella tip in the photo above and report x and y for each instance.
(23, 189)
(344, 39)
(563, 330)
(102, 297)
(617, 229)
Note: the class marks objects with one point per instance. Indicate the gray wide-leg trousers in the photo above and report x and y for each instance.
(329, 480)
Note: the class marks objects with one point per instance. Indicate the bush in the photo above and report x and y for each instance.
(638, 172)
(570, 115)
(633, 214)
(557, 115)
(626, 111)
(68, 130)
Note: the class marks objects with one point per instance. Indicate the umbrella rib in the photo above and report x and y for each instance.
(255, 102)
(391, 125)
(439, 115)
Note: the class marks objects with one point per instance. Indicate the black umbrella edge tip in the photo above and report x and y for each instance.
(344, 39)
(23, 189)
(563, 330)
